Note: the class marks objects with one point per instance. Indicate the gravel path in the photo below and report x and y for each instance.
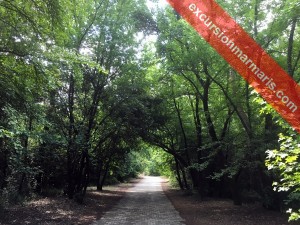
(144, 204)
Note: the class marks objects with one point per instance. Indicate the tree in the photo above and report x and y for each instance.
(23, 82)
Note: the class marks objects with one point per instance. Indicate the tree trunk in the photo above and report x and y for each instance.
(186, 184)
(100, 165)
(290, 48)
(105, 174)
(71, 153)
(235, 189)
(182, 130)
(178, 174)
(3, 162)
(26, 161)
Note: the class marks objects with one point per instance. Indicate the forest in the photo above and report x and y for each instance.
(97, 91)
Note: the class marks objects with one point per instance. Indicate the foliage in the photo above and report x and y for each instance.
(285, 161)
(158, 163)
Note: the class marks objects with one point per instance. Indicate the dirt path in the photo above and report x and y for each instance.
(144, 204)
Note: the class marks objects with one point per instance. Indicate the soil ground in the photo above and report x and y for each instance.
(220, 211)
(62, 211)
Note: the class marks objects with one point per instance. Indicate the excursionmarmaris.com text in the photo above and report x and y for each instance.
(269, 82)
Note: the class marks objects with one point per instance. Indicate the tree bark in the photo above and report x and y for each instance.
(178, 174)
(71, 153)
(290, 48)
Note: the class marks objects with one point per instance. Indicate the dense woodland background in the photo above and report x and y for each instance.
(97, 91)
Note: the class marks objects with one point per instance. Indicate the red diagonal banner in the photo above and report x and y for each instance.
(244, 55)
